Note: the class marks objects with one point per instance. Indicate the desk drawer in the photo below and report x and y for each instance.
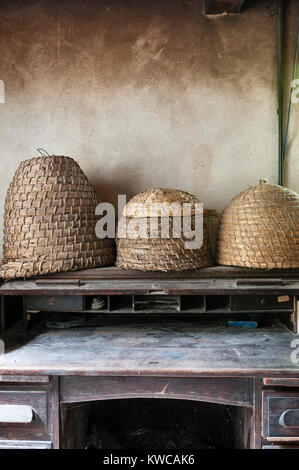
(281, 415)
(49, 303)
(26, 415)
(247, 303)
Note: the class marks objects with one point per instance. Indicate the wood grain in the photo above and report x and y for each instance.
(160, 349)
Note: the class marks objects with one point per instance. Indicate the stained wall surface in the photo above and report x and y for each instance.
(142, 93)
(291, 25)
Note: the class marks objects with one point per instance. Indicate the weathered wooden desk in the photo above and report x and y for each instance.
(182, 348)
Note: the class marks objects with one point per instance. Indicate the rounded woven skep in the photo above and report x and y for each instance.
(259, 228)
(154, 252)
(143, 204)
(49, 221)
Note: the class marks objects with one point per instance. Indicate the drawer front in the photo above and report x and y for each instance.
(244, 303)
(48, 303)
(281, 415)
(27, 414)
(25, 378)
(15, 445)
(280, 446)
(281, 382)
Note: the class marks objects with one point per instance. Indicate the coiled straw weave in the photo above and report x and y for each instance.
(154, 253)
(259, 228)
(49, 220)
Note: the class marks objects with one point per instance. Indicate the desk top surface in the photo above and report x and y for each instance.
(169, 348)
(160, 349)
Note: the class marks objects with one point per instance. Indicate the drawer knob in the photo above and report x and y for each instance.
(289, 419)
(20, 414)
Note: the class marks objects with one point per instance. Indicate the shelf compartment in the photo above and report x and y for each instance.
(121, 303)
(193, 303)
(218, 303)
(156, 303)
(89, 299)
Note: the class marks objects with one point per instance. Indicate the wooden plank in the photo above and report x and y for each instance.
(54, 410)
(185, 349)
(147, 286)
(24, 379)
(214, 272)
(280, 446)
(218, 7)
(230, 391)
(24, 444)
(281, 382)
(214, 280)
(256, 420)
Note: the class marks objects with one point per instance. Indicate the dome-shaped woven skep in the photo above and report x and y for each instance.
(143, 204)
(259, 228)
(49, 221)
(152, 252)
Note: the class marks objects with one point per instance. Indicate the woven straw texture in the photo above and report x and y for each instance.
(260, 229)
(153, 252)
(49, 221)
(143, 204)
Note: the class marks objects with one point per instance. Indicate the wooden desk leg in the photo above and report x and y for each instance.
(2, 315)
(55, 412)
(256, 426)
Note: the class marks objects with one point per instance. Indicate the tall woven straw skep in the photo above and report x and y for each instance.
(49, 221)
(259, 228)
(153, 252)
